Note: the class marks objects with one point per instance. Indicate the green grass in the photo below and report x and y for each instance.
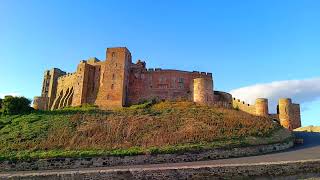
(41, 154)
(167, 127)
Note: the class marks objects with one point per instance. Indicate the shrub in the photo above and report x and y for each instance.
(0, 106)
(143, 104)
(16, 105)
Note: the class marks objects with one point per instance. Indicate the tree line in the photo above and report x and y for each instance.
(11, 105)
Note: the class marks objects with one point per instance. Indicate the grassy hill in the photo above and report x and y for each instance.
(309, 129)
(165, 127)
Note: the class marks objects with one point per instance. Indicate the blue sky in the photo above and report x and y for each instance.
(243, 43)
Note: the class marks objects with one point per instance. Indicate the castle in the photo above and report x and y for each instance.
(117, 82)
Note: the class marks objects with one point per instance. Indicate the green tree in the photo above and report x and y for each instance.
(0, 106)
(16, 105)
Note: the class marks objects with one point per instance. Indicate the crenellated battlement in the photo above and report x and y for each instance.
(288, 113)
(243, 106)
(68, 75)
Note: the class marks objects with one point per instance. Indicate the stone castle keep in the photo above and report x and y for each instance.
(117, 82)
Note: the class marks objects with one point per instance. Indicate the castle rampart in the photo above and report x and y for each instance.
(243, 106)
(117, 82)
(288, 113)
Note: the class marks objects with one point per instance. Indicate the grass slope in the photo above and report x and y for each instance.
(308, 129)
(166, 127)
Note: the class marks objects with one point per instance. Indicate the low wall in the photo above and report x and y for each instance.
(75, 163)
(277, 170)
(243, 106)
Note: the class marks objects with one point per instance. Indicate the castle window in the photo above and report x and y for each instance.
(113, 54)
(181, 80)
(112, 86)
(162, 79)
(108, 97)
(113, 76)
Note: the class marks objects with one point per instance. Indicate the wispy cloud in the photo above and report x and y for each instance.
(301, 91)
(10, 93)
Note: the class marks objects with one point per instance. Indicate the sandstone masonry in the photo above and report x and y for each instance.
(117, 82)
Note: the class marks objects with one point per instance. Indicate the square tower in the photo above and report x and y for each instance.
(114, 78)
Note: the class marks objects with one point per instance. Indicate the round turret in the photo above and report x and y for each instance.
(262, 107)
(203, 91)
(284, 112)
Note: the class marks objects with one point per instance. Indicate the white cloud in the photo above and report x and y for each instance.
(2, 95)
(301, 91)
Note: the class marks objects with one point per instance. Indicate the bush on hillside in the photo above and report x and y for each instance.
(0, 106)
(16, 105)
(143, 104)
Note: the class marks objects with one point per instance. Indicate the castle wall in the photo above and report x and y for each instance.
(288, 114)
(118, 82)
(81, 87)
(242, 106)
(40, 103)
(222, 96)
(52, 90)
(260, 108)
(222, 100)
(92, 84)
(161, 84)
(65, 91)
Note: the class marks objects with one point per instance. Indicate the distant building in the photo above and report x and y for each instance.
(117, 82)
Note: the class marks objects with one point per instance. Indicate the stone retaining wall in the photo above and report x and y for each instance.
(278, 170)
(75, 163)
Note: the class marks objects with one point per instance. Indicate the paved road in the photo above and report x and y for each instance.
(310, 150)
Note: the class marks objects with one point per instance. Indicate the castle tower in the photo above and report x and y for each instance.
(285, 112)
(115, 78)
(80, 87)
(296, 116)
(262, 107)
(49, 88)
(203, 91)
